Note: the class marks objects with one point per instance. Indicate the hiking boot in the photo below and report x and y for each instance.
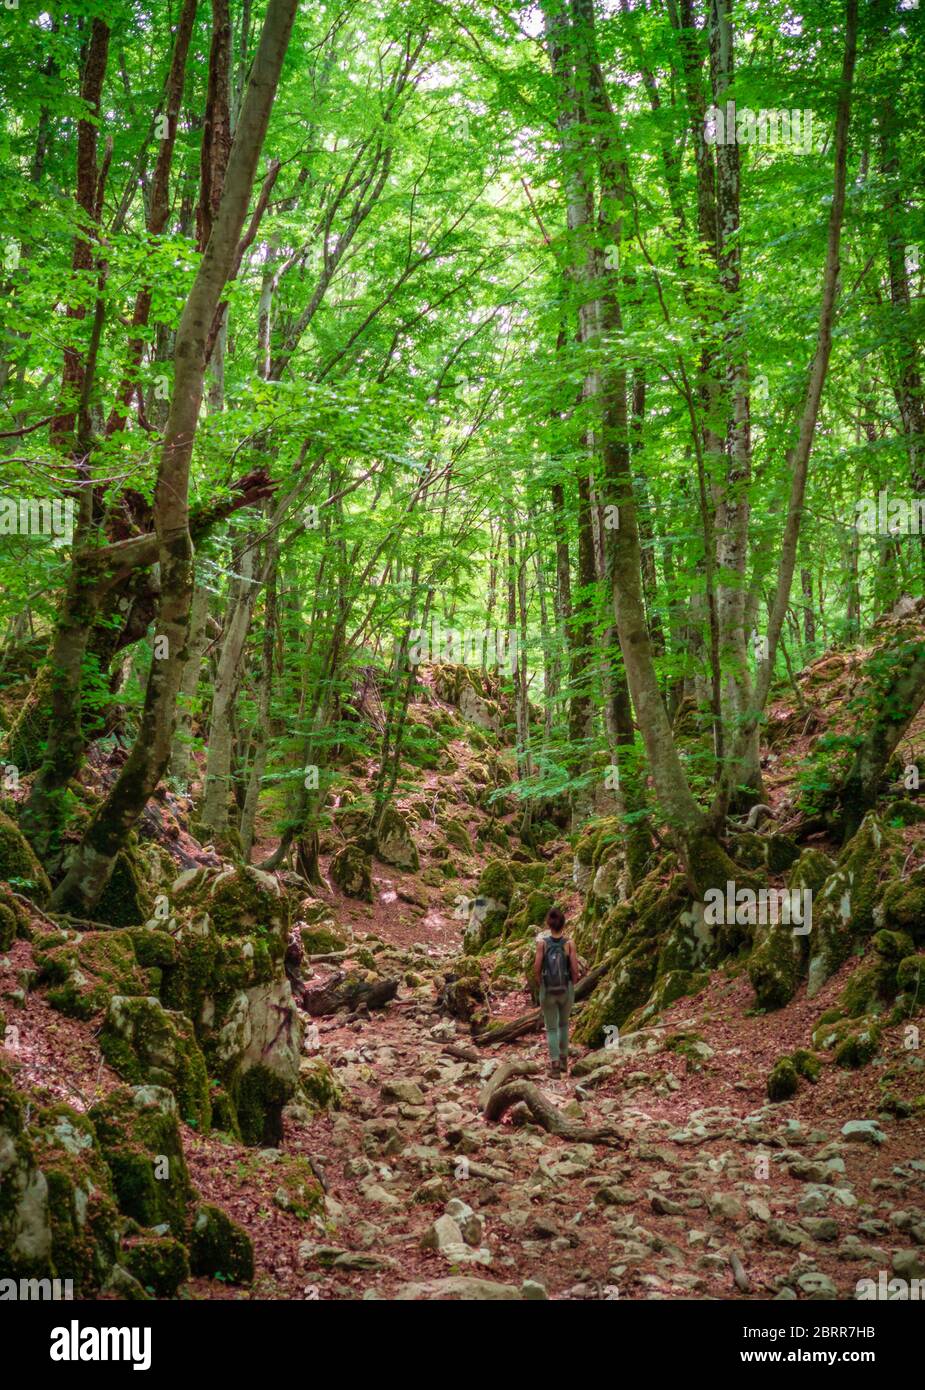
(555, 1069)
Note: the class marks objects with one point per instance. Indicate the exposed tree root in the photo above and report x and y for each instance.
(520, 1066)
(546, 1115)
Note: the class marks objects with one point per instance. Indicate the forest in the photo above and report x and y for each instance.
(462, 466)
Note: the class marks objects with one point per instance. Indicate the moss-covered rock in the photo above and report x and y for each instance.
(904, 905)
(674, 984)
(85, 969)
(145, 1043)
(783, 1080)
(457, 834)
(139, 1136)
(82, 1210)
(154, 947)
(496, 881)
(245, 901)
(159, 1263)
(905, 812)
(781, 852)
(127, 900)
(857, 1049)
(321, 940)
(910, 979)
(351, 871)
(528, 913)
(853, 1041)
(219, 1248)
(807, 1064)
(844, 908)
(298, 1190)
(259, 1096)
(14, 919)
(319, 1085)
(394, 841)
(19, 866)
(25, 1213)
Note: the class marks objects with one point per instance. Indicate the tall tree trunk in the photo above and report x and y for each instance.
(114, 820)
(798, 458)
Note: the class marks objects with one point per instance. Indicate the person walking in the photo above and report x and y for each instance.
(555, 974)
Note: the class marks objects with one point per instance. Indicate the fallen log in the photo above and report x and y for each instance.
(546, 1115)
(348, 992)
(529, 1022)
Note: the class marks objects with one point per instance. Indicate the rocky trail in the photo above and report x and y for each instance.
(395, 1176)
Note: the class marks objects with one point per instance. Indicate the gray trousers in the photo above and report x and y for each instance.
(556, 1010)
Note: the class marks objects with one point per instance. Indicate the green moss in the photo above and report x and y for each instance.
(87, 970)
(247, 902)
(496, 881)
(910, 978)
(159, 1263)
(259, 1096)
(140, 1141)
(531, 914)
(854, 1041)
(224, 1115)
(709, 866)
(783, 1080)
(776, 964)
(145, 1043)
(219, 1248)
(83, 1214)
(781, 853)
(457, 834)
(750, 850)
(18, 864)
(320, 940)
(844, 910)
(904, 904)
(126, 901)
(14, 919)
(298, 1190)
(893, 945)
(811, 870)
(319, 1085)
(858, 1049)
(351, 871)
(626, 989)
(806, 1064)
(153, 946)
(905, 812)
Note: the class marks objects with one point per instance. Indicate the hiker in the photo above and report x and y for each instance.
(555, 973)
